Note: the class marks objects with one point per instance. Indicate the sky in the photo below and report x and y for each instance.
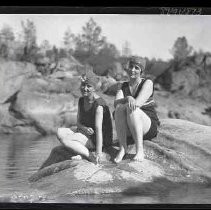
(149, 36)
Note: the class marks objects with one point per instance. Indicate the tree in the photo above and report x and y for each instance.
(55, 54)
(181, 50)
(91, 38)
(105, 59)
(45, 45)
(7, 33)
(29, 36)
(6, 39)
(69, 41)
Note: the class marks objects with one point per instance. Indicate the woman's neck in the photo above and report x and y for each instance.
(134, 81)
(91, 99)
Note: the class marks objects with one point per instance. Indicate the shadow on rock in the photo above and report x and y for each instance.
(61, 153)
(58, 154)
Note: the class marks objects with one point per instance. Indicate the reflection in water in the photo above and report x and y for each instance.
(167, 191)
(22, 155)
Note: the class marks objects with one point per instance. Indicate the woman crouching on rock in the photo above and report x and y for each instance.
(94, 125)
(134, 109)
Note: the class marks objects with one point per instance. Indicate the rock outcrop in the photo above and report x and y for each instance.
(31, 103)
(12, 77)
(180, 153)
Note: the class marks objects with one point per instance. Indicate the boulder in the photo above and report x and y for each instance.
(39, 106)
(31, 103)
(180, 153)
(177, 105)
(185, 81)
(12, 76)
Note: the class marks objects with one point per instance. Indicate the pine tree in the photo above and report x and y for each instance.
(29, 36)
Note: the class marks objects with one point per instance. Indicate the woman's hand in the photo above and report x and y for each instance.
(88, 130)
(131, 103)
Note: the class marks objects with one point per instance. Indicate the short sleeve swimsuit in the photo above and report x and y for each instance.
(87, 118)
(148, 109)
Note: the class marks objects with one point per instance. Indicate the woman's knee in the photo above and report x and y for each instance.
(62, 133)
(135, 114)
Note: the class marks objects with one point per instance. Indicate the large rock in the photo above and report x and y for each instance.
(186, 80)
(12, 76)
(180, 153)
(31, 103)
(39, 105)
(180, 106)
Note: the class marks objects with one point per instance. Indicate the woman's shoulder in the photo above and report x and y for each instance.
(100, 101)
(147, 79)
(123, 84)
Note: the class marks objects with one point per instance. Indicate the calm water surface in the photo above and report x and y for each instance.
(22, 155)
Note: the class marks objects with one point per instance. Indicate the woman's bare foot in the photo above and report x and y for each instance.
(77, 157)
(139, 156)
(120, 155)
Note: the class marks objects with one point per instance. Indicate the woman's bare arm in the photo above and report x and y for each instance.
(119, 99)
(145, 93)
(98, 129)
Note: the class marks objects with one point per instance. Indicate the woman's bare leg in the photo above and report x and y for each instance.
(76, 142)
(121, 128)
(139, 124)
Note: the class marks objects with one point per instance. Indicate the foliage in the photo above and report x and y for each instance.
(180, 51)
(69, 41)
(91, 38)
(90, 42)
(30, 45)
(45, 46)
(6, 39)
(104, 60)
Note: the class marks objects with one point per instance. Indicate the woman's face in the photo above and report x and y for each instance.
(86, 89)
(134, 70)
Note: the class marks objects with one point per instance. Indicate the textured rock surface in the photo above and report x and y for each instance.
(12, 76)
(180, 152)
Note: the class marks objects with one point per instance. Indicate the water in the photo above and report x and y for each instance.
(22, 155)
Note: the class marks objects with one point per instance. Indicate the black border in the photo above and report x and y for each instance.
(86, 206)
(122, 9)
(103, 7)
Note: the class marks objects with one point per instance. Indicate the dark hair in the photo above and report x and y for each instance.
(90, 79)
(138, 61)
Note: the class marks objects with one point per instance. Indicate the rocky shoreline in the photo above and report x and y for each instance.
(179, 154)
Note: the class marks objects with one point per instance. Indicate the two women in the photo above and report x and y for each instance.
(94, 125)
(135, 116)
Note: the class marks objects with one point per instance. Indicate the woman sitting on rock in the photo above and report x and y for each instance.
(94, 125)
(134, 109)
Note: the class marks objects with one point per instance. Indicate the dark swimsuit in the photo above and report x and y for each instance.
(148, 109)
(87, 118)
